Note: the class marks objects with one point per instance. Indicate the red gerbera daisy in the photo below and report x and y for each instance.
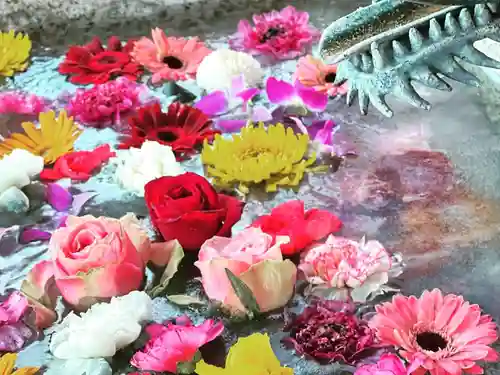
(92, 63)
(183, 128)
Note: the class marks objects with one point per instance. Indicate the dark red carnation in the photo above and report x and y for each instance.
(187, 208)
(183, 128)
(303, 227)
(329, 331)
(92, 63)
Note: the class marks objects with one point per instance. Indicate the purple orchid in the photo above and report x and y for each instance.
(285, 94)
(14, 332)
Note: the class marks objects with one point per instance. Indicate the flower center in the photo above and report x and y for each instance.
(330, 77)
(167, 136)
(431, 341)
(107, 59)
(173, 62)
(271, 33)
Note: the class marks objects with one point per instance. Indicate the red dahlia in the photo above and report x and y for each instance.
(92, 63)
(183, 128)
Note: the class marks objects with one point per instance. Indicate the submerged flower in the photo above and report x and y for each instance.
(218, 70)
(174, 343)
(54, 137)
(275, 156)
(13, 330)
(106, 103)
(182, 127)
(313, 72)
(92, 63)
(447, 334)
(8, 363)
(328, 331)
(250, 355)
(282, 35)
(21, 103)
(16, 50)
(170, 58)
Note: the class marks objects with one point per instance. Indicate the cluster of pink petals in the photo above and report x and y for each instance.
(388, 364)
(313, 72)
(13, 331)
(22, 103)
(281, 35)
(105, 104)
(446, 334)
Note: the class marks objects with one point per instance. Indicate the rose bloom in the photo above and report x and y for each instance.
(252, 257)
(347, 265)
(174, 343)
(94, 259)
(187, 208)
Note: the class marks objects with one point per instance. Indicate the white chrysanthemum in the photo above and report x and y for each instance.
(137, 166)
(218, 69)
(103, 329)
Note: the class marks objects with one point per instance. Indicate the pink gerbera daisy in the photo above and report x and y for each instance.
(314, 73)
(286, 34)
(444, 333)
(170, 58)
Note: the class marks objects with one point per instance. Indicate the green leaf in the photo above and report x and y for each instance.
(169, 272)
(185, 300)
(189, 367)
(244, 293)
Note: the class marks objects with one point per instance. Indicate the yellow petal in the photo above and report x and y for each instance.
(203, 368)
(7, 363)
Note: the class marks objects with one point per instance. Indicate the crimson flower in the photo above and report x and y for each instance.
(182, 127)
(329, 331)
(92, 63)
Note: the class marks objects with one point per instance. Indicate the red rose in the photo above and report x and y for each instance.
(78, 165)
(303, 227)
(187, 208)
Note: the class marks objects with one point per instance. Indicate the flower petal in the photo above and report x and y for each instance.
(33, 234)
(213, 103)
(278, 91)
(58, 197)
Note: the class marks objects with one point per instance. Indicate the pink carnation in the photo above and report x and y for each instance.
(22, 103)
(286, 34)
(105, 104)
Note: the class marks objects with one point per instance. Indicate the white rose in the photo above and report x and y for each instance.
(217, 70)
(137, 166)
(103, 329)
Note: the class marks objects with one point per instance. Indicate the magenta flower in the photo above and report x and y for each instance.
(105, 104)
(22, 103)
(281, 35)
(285, 94)
(388, 364)
(14, 332)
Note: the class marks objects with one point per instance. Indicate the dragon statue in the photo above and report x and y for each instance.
(384, 47)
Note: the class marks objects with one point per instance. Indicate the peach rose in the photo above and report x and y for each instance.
(252, 257)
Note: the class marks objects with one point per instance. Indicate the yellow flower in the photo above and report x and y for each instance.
(55, 137)
(14, 53)
(275, 156)
(251, 355)
(7, 363)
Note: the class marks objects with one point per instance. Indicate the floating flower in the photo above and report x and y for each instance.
(21, 103)
(137, 166)
(92, 63)
(183, 128)
(54, 137)
(252, 256)
(174, 343)
(286, 34)
(252, 352)
(302, 227)
(447, 334)
(388, 364)
(14, 332)
(313, 72)
(8, 363)
(274, 156)
(117, 324)
(218, 70)
(328, 331)
(285, 94)
(170, 58)
(105, 104)
(346, 267)
(16, 50)
(78, 165)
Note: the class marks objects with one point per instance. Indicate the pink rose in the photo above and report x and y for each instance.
(388, 364)
(252, 257)
(94, 259)
(344, 265)
(172, 344)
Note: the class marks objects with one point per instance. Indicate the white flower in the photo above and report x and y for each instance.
(218, 69)
(103, 329)
(137, 166)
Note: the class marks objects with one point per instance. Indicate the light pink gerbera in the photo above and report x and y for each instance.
(286, 34)
(314, 73)
(444, 333)
(170, 58)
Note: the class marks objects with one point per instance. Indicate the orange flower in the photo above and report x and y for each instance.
(313, 72)
(7, 363)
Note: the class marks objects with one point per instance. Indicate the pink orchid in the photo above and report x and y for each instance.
(174, 343)
(283, 93)
(388, 364)
(13, 330)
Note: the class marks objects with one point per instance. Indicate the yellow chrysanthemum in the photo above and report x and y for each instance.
(251, 355)
(7, 363)
(53, 138)
(275, 156)
(14, 53)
